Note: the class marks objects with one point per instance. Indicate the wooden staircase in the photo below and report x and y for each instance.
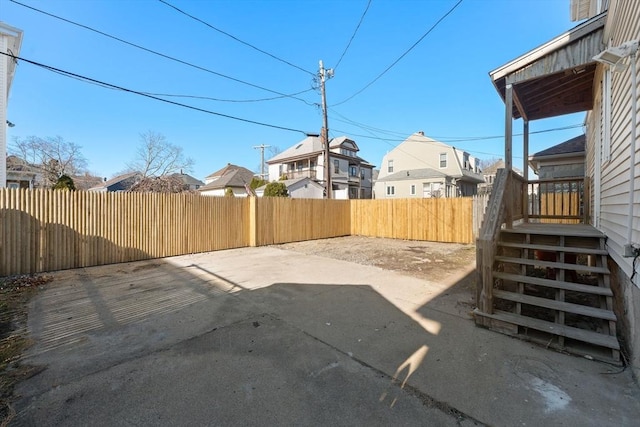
(551, 286)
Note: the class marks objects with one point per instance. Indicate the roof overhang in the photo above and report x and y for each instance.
(556, 78)
(14, 36)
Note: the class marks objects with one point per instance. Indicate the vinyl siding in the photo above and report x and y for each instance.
(622, 26)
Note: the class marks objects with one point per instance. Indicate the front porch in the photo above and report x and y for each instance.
(542, 266)
(542, 269)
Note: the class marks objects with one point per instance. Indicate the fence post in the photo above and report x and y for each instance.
(253, 221)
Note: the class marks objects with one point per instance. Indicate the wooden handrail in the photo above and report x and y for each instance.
(486, 246)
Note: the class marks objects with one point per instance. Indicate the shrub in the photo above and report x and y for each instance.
(276, 189)
(65, 182)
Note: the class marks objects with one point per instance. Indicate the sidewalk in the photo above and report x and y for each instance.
(263, 336)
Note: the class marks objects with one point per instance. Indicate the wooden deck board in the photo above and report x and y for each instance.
(556, 305)
(566, 249)
(549, 264)
(572, 230)
(590, 337)
(556, 284)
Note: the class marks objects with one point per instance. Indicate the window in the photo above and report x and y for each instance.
(391, 190)
(412, 190)
(390, 166)
(353, 171)
(467, 164)
(299, 166)
(336, 166)
(443, 160)
(361, 173)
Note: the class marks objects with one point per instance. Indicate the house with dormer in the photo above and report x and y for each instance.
(421, 167)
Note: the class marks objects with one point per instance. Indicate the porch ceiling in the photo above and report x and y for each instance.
(556, 78)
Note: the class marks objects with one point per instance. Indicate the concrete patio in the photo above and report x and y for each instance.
(265, 336)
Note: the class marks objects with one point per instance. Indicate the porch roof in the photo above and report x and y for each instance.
(557, 77)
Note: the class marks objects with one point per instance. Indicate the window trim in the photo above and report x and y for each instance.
(391, 190)
(446, 159)
(390, 166)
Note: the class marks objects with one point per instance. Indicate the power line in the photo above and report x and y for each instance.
(116, 87)
(165, 56)
(225, 100)
(235, 38)
(401, 56)
(470, 139)
(353, 35)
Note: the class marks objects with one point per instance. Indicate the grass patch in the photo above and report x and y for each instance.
(15, 293)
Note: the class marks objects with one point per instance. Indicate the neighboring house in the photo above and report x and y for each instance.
(565, 160)
(10, 43)
(299, 188)
(119, 183)
(489, 175)
(236, 178)
(189, 182)
(21, 174)
(351, 176)
(423, 167)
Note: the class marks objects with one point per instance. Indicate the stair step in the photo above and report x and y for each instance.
(572, 230)
(556, 284)
(567, 307)
(548, 264)
(590, 337)
(549, 248)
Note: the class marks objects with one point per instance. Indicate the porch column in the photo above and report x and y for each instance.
(508, 124)
(525, 169)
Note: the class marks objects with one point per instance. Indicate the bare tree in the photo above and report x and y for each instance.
(156, 156)
(485, 163)
(53, 155)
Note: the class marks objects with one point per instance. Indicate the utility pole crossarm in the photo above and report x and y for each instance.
(261, 147)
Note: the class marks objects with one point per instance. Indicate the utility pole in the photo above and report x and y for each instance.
(261, 147)
(324, 75)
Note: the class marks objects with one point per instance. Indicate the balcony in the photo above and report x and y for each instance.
(300, 173)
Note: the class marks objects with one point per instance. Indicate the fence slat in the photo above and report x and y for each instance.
(46, 230)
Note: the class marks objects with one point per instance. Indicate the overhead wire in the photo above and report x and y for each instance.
(401, 56)
(353, 35)
(209, 98)
(121, 88)
(235, 38)
(160, 54)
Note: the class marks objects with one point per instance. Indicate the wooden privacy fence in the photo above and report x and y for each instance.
(435, 219)
(282, 220)
(46, 230)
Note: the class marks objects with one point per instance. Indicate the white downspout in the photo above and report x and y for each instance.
(632, 160)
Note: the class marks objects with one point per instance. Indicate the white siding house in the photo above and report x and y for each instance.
(299, 188)
(10, 42)
(351, 175)
(423, 167)
(608, 154)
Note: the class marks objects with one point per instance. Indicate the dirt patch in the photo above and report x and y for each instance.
(15, 293)
(430, 261)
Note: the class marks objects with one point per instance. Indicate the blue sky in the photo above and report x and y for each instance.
(440, 87)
